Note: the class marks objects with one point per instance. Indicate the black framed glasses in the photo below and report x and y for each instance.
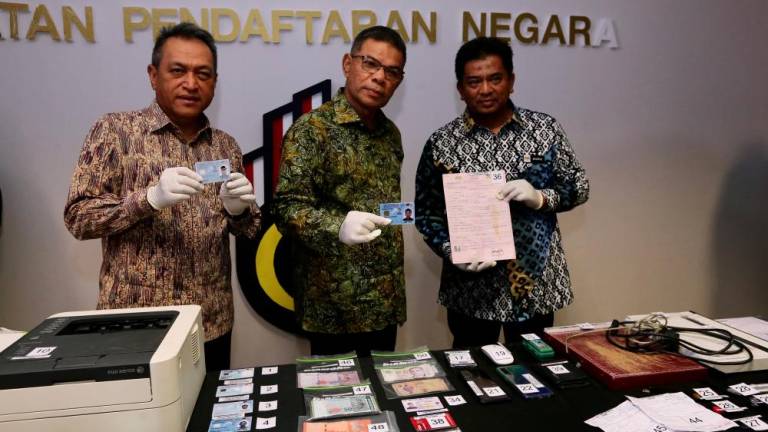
(371, 65)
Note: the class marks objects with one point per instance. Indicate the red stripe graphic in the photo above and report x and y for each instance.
(277, 140)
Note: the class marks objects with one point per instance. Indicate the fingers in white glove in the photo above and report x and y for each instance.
(175, 185)
(476, 266)
(236, 181)
(360, 227)
(372, 235)
(521, 191)
(188, 173)
(378, 220)
(236, 194)
(188, 183)
(249, 198)
(241, 190)
(485, 265)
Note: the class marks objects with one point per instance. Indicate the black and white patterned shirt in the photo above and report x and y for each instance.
(531, 146)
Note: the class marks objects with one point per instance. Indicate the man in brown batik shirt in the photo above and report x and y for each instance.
(164, 234)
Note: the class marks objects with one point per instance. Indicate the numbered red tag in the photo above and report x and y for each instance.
(433, 422)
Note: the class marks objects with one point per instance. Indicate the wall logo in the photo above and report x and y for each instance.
(264, 264)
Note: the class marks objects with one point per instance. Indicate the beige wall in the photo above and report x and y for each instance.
(671, 128)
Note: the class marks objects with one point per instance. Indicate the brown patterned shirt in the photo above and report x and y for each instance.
(179, 255)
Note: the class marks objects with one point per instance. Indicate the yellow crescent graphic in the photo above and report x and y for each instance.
(265, 269)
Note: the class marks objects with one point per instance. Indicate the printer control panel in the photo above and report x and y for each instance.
(128, 324)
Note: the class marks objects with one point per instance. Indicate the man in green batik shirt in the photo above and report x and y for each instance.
(339, 162)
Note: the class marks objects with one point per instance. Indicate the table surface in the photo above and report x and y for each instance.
(566, 410)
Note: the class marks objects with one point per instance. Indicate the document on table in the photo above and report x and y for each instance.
(665, 412)
(479, 224)
(625, 418)
(752, 325)
(677, 411)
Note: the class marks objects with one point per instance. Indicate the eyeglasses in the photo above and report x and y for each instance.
(371, 65)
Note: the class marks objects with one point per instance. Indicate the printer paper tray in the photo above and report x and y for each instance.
(81, 396)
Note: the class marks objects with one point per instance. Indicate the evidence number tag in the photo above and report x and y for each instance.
(527, 388)
(558, 369)
(422, 356)
(460, 357)
(743, 389)
(41, 352)
(494, 391)
(361, 390)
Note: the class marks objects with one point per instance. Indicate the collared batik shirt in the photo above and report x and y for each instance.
(331, 164)
(531, 146)
(176, 256)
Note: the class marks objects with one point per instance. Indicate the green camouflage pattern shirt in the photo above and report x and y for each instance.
(331, 164)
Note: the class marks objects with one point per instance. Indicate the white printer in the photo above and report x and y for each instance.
(117, 370)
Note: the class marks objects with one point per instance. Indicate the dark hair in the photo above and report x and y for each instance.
(185, 30)
(381, 34)
(480, 48)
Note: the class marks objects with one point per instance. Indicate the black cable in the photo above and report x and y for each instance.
(667, 339)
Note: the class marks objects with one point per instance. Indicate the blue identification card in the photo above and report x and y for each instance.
(400, 213)
(213, 171)
(231, 425)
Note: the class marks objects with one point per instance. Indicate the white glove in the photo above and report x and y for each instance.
(176, 184)
(521, 191)
(237, 194)
(476, 266)
(360, 227)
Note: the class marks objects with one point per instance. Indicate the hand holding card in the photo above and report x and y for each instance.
(237, 194)
(176, 184)
(360, 227)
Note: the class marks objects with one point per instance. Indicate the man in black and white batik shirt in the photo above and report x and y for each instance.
(543, 178)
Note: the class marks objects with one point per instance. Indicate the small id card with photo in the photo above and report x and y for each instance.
(234, 390)
(422, 404)
(233, 374)
(230, 425)
(403, 213)
(228, 410)
(213, 171)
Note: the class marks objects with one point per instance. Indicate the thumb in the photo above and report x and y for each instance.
(378, 220)
(505, 192)
(372, 235)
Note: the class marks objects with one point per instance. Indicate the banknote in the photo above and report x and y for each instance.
(343, 406)
(323, 379)
(423, 370)
(357, 425)
(418, 387)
